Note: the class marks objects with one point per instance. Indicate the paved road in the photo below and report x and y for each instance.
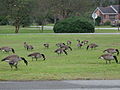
(63, 34)
(61, 85)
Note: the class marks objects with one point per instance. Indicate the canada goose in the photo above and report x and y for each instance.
(69, 42)
(60, 51)
(7, 49)
(85, 42)
(108, 57)
(93, 45)
(36, 55)
(78, 40)
(25, 45)
(28, 47)
(46, 45)
(13, 60)
(60, 44)
(66, 47)
(79, 45)
(112, 51)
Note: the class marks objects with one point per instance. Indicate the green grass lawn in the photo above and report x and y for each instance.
(10, 29)
(78, 64)
(104, 27)
(106, 31)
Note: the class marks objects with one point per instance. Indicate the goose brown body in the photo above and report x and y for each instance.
(36, 55)
(13, 60)
(60, 51)
(60, 44)
(79, 45)
(66, 47)
(93, 45)
(7, 49)
(108, 57)
(46, 45)
(112, 51)
(85, 41)
(28, 47)
(69, 42)
(78, 40)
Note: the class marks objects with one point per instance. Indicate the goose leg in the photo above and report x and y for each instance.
(36, 58)
(32, 58)
(109, 62)
(11, 67)
(16, 67)
(106, 61)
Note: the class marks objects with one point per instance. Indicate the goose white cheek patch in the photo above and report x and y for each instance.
(101, 57)
(7, 60)
(106, 51)
(58, 51)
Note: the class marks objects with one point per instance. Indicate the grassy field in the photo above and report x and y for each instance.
(106, 31)
(78, 64)
(10, 29)
(104, 27)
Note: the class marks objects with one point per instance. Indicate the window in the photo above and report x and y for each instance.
(112, 17)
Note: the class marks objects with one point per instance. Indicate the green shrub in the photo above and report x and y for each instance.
(98, 20)
(3, 20)
(107, 23)
(27, 21)
(74, 25)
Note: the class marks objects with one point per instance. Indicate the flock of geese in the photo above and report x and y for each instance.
(62, 48)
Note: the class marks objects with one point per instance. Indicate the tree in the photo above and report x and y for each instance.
(3, 20)
(41, 11)
(100, 3)
(27, 21)
(17, 11)
(65, 8)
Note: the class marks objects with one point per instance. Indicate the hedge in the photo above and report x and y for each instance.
(74, 25)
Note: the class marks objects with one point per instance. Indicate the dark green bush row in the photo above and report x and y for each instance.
(74, 25)
(3, 20)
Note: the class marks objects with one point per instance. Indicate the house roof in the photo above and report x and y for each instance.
(116, 8)
(113, 9)
(107, 10)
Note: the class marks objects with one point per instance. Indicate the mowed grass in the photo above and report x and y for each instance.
(11, 29)
(78, 64)
(107, 31)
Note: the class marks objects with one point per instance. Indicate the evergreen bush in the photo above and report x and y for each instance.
(74, 25)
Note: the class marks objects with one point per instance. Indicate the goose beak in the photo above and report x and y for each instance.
(2, 60)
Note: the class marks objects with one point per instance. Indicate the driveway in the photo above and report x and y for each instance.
(61, 85)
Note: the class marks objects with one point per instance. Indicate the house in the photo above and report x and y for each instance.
(108, 14)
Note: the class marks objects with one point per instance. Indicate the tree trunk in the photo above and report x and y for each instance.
(17, 28)
(42, 27)
(118, 28)
(55, 20)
